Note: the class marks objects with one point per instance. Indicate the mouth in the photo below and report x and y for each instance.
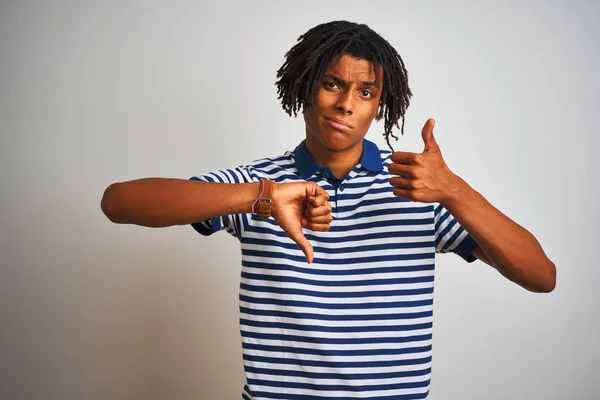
(337, 124)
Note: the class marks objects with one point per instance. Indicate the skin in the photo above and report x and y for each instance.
(350, 92)
(501, 242)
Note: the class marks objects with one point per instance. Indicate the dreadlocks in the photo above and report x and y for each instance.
(301, 74)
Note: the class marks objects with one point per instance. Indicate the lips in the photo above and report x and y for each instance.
(338, 123)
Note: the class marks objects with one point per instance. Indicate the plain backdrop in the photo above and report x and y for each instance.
(93, 93)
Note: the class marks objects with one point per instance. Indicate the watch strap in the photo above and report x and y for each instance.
(262, 205)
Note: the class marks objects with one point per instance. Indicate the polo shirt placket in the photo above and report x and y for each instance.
(357, 322)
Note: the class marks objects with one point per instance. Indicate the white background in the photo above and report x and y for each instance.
(95, 92)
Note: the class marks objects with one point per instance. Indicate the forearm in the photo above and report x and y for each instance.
(511, 249)
(160, 202)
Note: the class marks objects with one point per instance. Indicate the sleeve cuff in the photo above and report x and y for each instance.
(465, 249)
(203, 230)
(214, 222)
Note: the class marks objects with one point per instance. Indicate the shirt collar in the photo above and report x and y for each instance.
(307, 166)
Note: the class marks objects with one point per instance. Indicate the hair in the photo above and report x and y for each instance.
(299, 78)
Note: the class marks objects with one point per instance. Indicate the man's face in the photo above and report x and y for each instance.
(346, 105)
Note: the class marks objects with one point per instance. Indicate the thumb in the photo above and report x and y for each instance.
(304, 245)
(428, 138)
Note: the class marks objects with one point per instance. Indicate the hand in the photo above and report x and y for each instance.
(424, 177)
(301, 204)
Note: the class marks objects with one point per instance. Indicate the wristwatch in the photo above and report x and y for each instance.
(262, 205)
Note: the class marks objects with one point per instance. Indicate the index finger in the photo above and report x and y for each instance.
(320, 199)
(403, 157)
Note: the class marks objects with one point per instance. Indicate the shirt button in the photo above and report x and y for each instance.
(341, 188)
(325, 175)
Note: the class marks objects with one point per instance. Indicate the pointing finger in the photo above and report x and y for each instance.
(403, 157)
(319, 200)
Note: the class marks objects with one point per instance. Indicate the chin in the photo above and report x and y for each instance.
(337, 142)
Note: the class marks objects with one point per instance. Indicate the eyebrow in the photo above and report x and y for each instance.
(342, 82)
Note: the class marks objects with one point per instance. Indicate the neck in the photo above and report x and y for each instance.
(340, 162)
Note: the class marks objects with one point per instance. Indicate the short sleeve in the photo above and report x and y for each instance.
(230, 223)
(450, 236)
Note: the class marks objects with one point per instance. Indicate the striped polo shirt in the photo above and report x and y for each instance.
(357, 322)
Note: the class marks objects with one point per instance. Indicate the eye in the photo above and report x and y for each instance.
(330, 85)
(366, 93)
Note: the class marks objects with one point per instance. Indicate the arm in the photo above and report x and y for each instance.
(502, 243)
(161, 202)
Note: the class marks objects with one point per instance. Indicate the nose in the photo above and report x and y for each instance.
(345, 102)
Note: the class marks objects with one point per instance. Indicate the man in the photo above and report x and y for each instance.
(350, 317)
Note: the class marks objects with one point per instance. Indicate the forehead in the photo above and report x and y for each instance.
(352, 68)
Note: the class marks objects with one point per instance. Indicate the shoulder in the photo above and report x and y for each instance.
(386, 155)
(386, 160)
(274, 168)
(286, 160)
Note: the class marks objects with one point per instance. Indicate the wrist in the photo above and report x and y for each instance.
(275, 196)
(262, 206)
(458, 189)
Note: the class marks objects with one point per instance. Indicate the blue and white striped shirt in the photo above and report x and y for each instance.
(357, 322)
